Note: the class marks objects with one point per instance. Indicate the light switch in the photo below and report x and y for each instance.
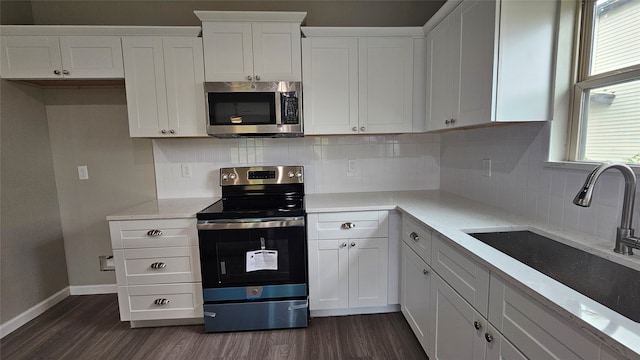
(352, 166)
(486, 167)
(186, 171)
(83, 172)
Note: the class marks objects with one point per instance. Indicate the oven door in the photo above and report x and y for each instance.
(253, 259)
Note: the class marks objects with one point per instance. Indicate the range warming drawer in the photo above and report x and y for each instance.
(256, 315)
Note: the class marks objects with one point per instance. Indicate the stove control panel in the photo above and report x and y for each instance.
(257, 175)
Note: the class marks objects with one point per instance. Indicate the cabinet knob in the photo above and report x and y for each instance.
(65, 72)
(453, 121)
(163, 131)
(154, 232)
(477, 325)
(488, 337)
(249, 77)
(344, 244)
(158, 265)
(161, 301)
(257, 78)
(353, 244)
(425, 271)
(348, 225)
(56, 72)
(414, 236)
(362, 128)
(447, 122)
(172, 131)
(354, 129)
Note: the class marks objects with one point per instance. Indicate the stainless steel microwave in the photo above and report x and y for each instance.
(266, 109)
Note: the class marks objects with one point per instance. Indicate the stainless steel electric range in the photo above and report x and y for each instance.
(253, 251)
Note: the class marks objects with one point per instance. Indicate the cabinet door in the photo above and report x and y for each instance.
(330, 75)
(145, 86)
(30, 57)
(477, 28)
(91, 57)
(415, 291)
(368, 272)
(457, 330)
(184, 70)
(441, 74)
(386, 85)
(328, 274)
(276, 52)
(228, 51)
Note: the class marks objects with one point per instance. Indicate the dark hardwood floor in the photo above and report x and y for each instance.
(89, 327)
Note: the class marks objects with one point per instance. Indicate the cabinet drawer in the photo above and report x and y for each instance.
(536, 331)
(346, 225)
(153, 233)
(157, 265)
(159, 302)
(417, 236)
(467, 277)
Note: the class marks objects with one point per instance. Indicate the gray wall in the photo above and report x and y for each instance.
(90, 127)
(32, 257)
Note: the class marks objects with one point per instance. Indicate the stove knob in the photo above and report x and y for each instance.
(299, 174)
(291, 174)
(225, 177)
(233, 176)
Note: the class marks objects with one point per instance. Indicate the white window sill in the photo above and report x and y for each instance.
(581, 166)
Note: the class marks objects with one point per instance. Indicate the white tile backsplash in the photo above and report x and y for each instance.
(402, 162)
(521, 184)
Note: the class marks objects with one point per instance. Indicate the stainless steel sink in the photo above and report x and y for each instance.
(611, 284)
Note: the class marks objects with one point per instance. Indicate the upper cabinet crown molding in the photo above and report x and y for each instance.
(90, 30)
(251, 16)
(410, 31)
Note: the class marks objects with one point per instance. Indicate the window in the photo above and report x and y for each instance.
(606, 112)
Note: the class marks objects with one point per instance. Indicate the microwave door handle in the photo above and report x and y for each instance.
(278, 103)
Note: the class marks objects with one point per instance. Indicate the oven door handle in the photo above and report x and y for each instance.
(251, 223)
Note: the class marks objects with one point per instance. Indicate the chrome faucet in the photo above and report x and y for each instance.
(625, 239)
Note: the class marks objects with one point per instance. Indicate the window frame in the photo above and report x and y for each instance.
(583, 81)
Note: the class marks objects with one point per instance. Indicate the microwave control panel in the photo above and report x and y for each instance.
(289, 106)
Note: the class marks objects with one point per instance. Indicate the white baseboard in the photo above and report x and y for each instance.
(10, 326)
(93, 289)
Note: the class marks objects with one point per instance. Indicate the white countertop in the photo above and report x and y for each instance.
(164, 209)
(453, 216)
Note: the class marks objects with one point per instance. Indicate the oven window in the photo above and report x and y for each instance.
(252, 257)
(251, 108)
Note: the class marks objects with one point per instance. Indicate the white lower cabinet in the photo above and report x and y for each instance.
(157, 269)
(346, 269)
(461, 310)
(415, 295)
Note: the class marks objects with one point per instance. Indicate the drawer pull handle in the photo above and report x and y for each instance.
(161, 302)
(348, 225)
(414, 236)
(477, 325)
(154, 232)
(158, 265)
(488, 337)
(209, 314)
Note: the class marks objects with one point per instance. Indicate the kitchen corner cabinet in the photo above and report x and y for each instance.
(359, 82)
(157, 269)
(256, 51)
(491, 61)
(348, 260)
(61, 57)
(164, 81)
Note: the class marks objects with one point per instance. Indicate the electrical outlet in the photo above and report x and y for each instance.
(83, 172)
(351, 166)
(107, 263)
(486, 167)
(186, 171)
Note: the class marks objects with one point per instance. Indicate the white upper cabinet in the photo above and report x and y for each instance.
(494, 61)
(164, 85)
(362, 80)
(251, 46)
(61, 57)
